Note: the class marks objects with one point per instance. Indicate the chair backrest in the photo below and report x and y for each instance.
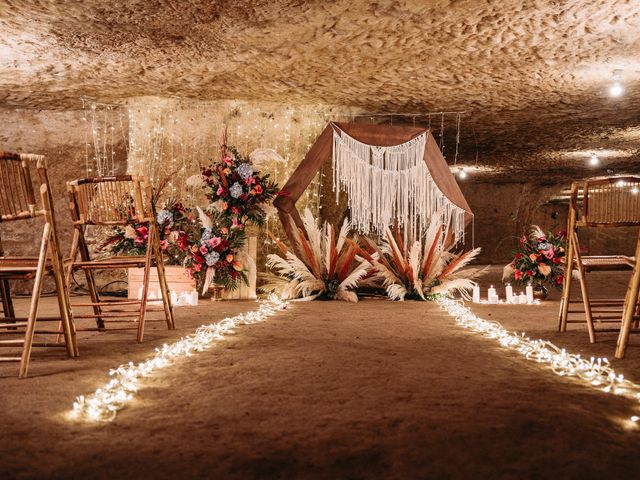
(115, 200)
(607, 202)
(17, 198)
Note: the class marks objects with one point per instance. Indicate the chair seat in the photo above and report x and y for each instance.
(20, 266)
(120, 261)
(608, 262)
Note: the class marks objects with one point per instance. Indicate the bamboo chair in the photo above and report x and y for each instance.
(18, 203)
(631, 312)
(109, 201)
(599, 203)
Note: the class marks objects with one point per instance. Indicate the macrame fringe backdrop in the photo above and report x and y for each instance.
(388, 183)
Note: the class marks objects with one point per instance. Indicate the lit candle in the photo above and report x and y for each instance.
(476, 293)
(508, 292)
(529, 293)
(493, 297)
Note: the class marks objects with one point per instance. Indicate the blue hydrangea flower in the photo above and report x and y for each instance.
(236, 190)
(164, 216)
(212, 258)
(206, 235)
(245, 170)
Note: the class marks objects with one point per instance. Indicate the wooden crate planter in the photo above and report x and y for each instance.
(177, 279)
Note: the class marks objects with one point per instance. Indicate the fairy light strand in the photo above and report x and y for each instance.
(103, 405)
(594, 372)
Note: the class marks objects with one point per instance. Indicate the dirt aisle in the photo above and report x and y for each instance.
(334, 390)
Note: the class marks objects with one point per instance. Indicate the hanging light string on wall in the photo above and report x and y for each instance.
(174, 137)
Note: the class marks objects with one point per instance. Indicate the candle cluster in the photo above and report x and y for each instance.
(524, 298)
(595, 372)
(104, 403)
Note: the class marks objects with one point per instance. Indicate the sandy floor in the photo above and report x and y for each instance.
(328, 390)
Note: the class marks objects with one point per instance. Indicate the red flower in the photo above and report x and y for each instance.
(517, 275)
(183, 241)
(557, 260)
(258, 189)
(530, 273)
(559, 280)
(518, 256)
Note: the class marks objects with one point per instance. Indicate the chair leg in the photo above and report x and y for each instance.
(585, 292)
(566, 288)
(33, 309)
(164, 287)
(7, 303)
(145, 283)
(91, 281)
(630, 306)
(66, 317)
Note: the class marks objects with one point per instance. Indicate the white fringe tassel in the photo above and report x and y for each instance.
(387, 183)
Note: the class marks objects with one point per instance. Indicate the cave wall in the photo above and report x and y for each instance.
(502, 211)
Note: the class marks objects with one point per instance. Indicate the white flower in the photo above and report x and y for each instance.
(218, 205)
(195, 181)
(262, 155)
(130, 232)
(268, 208)
(173, 236)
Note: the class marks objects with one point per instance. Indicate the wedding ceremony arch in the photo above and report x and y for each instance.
(390, 173)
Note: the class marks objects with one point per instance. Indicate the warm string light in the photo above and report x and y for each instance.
(104, 404)
(595, 372)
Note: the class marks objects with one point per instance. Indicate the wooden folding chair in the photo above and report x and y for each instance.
(18, 203)
(109, 201)
(599, 203)
(631, 312)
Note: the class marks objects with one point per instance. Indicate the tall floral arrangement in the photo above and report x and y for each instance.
(239, 195)
(538, 259)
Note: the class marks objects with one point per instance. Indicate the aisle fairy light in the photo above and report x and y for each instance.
(104, 404)
(594, 372)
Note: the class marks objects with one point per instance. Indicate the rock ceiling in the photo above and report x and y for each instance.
(532, 76)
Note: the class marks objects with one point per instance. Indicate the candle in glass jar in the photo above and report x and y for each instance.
(508, 292)
(493, 297)
(529, 291)
(476, 293)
